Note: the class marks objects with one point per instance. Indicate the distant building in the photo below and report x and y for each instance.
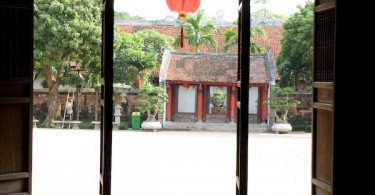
(190, 79)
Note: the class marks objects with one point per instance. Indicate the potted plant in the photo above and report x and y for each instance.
(280, 103)
(217, 100)
(151, 100)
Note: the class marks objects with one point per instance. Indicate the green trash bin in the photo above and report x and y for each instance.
(136, 120)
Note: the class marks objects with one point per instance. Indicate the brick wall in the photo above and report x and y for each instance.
(300, 117)
(86, 104)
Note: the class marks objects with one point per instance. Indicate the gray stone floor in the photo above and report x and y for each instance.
(66, 162)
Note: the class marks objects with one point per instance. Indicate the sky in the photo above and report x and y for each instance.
(157, 9)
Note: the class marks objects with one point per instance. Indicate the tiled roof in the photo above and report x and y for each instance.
(217, 68)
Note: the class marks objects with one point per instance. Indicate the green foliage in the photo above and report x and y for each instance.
(231, 39)
(262, 1)
(308, 128)
(198, 34)
(280, 103)
(151, 100)
(65, 31)
(308, 89)
(86, 125)
(127, 16)
(154, 42)
(218, 98)
(40, 125)
(123, 126)
(305, 128)
(136, 55)
(295, 58)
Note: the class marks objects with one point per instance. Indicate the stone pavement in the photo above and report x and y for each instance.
(66, 162)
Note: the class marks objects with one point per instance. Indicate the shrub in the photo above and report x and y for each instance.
(40, 125)
(86, 125)
(123, 125)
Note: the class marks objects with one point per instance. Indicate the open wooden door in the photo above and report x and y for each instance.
(243, 70)
(323, 97)
(106, 98)
(16, 76)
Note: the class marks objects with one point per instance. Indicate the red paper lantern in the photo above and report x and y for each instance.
(183, 7)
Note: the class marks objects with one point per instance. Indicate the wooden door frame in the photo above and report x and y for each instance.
(106, 98)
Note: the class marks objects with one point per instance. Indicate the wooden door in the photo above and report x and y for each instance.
(16, 73)
(106, 98)
(243, 70)
(323, 97)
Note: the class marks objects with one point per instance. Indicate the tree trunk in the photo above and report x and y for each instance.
(53, 83)
(53, 96)
(148, 115)
(153, 116)
(138, 84)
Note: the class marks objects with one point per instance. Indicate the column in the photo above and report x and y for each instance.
(259, 104)
(168, 113)
(200, 103)
(233, 106)
(227, 115)
(264, 106)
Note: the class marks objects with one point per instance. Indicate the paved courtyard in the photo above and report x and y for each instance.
(66, 162)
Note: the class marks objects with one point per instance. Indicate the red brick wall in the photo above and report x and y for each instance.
(86, 104)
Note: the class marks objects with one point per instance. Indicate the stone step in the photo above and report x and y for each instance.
(184, 117)
(204, 126)
(215, 118)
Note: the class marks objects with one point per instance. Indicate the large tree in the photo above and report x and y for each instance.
(137, 55)
(65, 31)
(130, 60)
(198, 34)
(295, 58)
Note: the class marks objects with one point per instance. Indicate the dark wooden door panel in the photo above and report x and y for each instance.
(324, 131)
(323, 97)
(16, 67)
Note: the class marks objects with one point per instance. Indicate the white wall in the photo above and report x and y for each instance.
(38, 83)
(253, 97)
(212, 91)
(186, 99)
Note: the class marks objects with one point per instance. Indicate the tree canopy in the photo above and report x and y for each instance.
(137, 55)
(65, 31)
(295, 58)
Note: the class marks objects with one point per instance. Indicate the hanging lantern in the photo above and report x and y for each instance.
(183, 8)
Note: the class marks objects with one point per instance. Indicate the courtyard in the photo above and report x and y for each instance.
(66, 162)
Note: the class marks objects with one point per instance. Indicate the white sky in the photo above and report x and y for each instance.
(157, 9)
